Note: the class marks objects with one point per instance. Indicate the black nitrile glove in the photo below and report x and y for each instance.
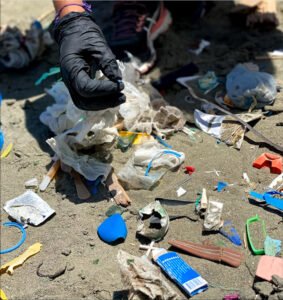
(82, 45)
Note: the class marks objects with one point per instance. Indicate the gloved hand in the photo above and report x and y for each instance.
(83, 45)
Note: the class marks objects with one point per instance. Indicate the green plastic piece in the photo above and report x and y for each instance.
(198, 200)
(249, 221)
(125, 142)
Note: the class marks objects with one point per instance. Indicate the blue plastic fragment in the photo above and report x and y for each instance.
(171, 152)
(93, 185)
(162, 142)
(230, 232)
(14, 224)
(1, 139)
(269, 198)
(221, 186)
(113, 229)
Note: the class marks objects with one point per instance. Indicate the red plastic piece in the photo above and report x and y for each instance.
(189, 169)
(271, 161)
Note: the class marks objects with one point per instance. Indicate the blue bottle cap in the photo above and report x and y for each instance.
(112, 229)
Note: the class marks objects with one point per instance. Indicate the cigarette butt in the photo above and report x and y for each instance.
(49, 176)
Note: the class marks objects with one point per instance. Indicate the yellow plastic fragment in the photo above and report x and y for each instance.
(2, 295)
(18, 261)
(7, 150)
(141, 137)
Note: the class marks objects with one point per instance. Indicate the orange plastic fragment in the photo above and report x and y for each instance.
(269, 160)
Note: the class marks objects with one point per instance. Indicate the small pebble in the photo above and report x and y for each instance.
(82, 276)
(92, 244)
(10, 102)
(18, 154)
(66, 252)
(85, 232)
(70, 267)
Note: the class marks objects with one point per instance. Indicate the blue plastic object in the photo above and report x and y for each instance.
(13, 224)
(269, 198)
(171, 152)
(112, 229)
(93, 185)
(230, 233)
(1, 139)
(162, 142)
(221, 186)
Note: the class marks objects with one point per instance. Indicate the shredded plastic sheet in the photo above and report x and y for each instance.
(139, 115)
(134, 175)
(84, 139)
(213, 219)
(63, 114)
(28, 208)
(143, 279)
(225, 128)
(153, 221)
(80, 130)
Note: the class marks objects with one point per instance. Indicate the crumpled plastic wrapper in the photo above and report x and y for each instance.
(140, 113)
(272, 247)
(84, 139)
(245, 85)
(63, 114)
(213, 221)
(143, 279)
(153, 221)
(169, 117)
(28, 208)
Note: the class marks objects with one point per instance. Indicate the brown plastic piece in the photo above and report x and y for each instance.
(229, 256)
(117, 191)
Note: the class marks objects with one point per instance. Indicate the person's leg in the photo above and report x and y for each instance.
(258, 12)
(136, 25)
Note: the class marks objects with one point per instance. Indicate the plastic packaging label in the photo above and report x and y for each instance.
(182, 273)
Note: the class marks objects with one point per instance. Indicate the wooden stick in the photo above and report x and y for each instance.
(82, 191)
(119, 125)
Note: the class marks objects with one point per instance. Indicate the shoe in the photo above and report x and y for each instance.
(136, 26)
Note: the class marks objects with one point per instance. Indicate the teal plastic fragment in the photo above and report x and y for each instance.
(52, 71)
(272, 247)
